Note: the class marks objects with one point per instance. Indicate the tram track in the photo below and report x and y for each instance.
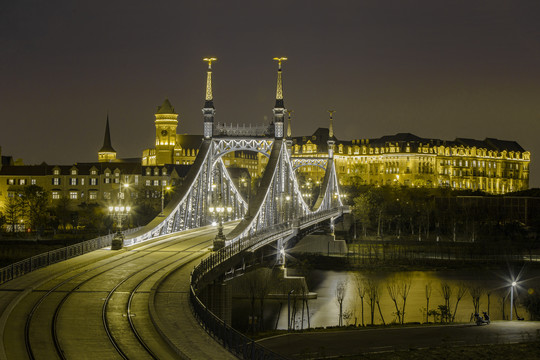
(136, 254)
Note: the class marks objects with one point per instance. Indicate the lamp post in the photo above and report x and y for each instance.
(119, 212)
(163, 188)
(220, 211)
(512, 298)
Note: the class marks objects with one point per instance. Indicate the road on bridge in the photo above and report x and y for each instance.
(353, 342)
(96, 306)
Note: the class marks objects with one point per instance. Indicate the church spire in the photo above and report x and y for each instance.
(331, 128)
(208, 110)
(107, 152)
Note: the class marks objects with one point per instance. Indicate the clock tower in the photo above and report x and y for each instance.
(166, 123)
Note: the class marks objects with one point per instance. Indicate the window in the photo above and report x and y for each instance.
(106, 195)
(56, 181)
(73, 181)
(148, 171)
(82, 181)
(22, 181)
(93, 181)
(117, 181)
(136, 179)
(164, 171)
(92, 195)
(56, 172)
(107, 181)
(148, 183)
(73, 172)
(33, 182)
(156, 172)
(156, 182)
(55, 195)
(93, 172)
(11, 181)
(73, 195)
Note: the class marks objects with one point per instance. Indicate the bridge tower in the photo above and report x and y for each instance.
(166, 124)
(208, 110)
(331, 141)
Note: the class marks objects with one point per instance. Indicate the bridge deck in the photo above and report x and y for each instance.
(77, 289)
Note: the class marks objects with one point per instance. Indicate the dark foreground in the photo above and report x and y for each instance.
(422, 342)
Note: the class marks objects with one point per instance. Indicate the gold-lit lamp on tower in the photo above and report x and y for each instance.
(209, 60)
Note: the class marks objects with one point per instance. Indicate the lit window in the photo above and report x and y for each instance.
(55, 195)
(33, 181)
(148, 182)
(92, 195)
(73, 181)
(11, 181)
(156, 182)
(93, 181)
(93, 172)
(73, 172)
(73, 195)
(117, 181)
(107, 180)
(82, 181)
(56, 172)
(22, 181)
(56, 181)
(164, 182)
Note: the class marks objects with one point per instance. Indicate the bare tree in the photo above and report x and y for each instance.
(393, 288)
(372, 289)
(476, 293)
(361, 288)
(404, 293)
(340, 296)
(461, 291)
(446, 292)
(429, 288)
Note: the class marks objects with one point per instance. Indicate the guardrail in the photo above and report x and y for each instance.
(35, 262)
(234, 341)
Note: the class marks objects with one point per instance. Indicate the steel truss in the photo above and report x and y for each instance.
(208, 184)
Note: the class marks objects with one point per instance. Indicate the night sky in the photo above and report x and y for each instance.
(440, 69)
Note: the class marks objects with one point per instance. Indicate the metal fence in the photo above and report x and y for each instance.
(234, 341)
(35, 262)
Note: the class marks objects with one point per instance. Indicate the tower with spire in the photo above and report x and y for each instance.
(208, 110)
(279, 108)
(331, 139)
(166, 123)
(107, 152)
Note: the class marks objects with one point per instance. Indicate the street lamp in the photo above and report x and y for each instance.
(119, 212)
(512, 298)
(220, 212)
(163, 188)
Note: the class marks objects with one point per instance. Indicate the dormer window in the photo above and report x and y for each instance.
(73, 172)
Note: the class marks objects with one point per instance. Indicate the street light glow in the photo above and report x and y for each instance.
(514, 283)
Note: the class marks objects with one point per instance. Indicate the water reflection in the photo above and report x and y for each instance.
(324, 311)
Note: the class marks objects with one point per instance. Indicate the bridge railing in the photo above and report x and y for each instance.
(231, 339)
(39, 261)
(247, 242)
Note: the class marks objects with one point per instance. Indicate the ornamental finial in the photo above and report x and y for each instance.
(289, 129)
(279, 88)
(209, 96)
(331, 129)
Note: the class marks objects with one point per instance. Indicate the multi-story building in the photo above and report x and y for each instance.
(491, 165)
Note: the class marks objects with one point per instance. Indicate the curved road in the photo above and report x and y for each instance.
(98, 306)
